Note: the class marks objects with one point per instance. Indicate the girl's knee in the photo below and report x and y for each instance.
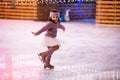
(56, 47)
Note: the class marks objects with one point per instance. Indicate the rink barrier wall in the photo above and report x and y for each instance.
(108, 12)
(43, 11)
(24, 10)
(32, 10)
(85, 10)
(20, 9)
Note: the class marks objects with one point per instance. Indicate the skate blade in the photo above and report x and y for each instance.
(40, 58)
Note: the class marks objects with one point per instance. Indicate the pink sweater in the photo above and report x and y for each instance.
(51, 29)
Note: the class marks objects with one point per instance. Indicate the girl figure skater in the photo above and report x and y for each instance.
(50, 40)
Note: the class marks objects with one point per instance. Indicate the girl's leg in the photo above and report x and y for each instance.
(48, 56)
(54, 47)
(45, 54)
(48, 53)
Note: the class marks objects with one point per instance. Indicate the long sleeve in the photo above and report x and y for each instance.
(61, 27)
(46, 27)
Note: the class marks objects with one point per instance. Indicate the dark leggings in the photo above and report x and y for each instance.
(50, 52)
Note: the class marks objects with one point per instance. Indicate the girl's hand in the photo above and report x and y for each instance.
(34, 33)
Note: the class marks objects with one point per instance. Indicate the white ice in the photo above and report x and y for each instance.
(87, 52)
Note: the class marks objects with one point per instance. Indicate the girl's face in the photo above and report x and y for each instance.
(55, 18)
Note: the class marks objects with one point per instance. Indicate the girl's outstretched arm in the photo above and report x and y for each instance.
(34, 33)
(61, 27)
(46, 27)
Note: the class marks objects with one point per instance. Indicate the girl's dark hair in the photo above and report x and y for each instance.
(50, 19)
(54, 10)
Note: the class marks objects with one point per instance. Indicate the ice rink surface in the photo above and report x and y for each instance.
(87, 52)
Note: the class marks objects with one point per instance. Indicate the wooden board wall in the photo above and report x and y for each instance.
(24, 10)
(32, 10)
(20, 9)
(108, 12)
(43, 11)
